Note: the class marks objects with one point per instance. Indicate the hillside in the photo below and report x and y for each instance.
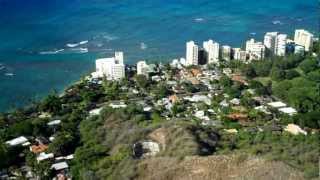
(233, 167)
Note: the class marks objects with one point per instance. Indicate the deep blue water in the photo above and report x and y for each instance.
(30, 29)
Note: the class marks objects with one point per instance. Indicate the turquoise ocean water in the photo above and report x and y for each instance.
(35, 57)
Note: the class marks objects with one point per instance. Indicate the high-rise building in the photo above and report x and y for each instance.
(142, 68)
(212, 49)
(118, 55)
(239, 54)
(111, 68)
(256, 50)
(202, 57)
(270, 42)
(192, 53)
(303, 38)
(226, 53)
(281, 44)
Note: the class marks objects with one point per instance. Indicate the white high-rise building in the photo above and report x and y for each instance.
(212, 50)
(226, 52)
(270, 41)
(239, 54)
(281, 44)
(303, 38)
(256, 50)
(118, 55)
(192, 53)
(111, 68)
(142, 68)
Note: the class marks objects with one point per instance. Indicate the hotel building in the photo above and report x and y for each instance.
(303, 38)
(212, 49)
(192, 53)
(256, 50)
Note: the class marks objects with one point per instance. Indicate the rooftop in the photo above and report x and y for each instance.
(17, 141)
(277, 104)
(59, 166)
(288, 110)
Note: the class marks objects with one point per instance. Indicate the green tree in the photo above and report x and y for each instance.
(290, 74)
(51, 103)
(112, 89)
(309, 65)
(63, 142)
(225, 81)
(277, 74)
(4, 156)
(142, 81)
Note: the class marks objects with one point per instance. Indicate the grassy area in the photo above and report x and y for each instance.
(263, 80)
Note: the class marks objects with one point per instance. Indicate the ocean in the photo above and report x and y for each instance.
(48, 44)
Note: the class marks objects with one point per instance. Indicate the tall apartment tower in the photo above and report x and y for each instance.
(281, 44)
(256, 50)
(226, 53)
(192, 53)
(111, 68)
(303, 38)
(270, 39)
(118, 55)
(212, 49)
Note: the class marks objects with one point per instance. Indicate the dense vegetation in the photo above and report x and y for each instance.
(292, 79)
(102, 144)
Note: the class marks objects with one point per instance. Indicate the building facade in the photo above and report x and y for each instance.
(142, 68)
(111, 68)
(212, 49)
(303, 38)
(192, 52)
(270, 42)
(239, 54)
(255, 50)
(281, 44)
(226, 53)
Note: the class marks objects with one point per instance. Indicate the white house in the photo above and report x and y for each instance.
(288, 110)
(59, 166)
(43, 156)
(17, 141)
(118, 105)
(277, 104)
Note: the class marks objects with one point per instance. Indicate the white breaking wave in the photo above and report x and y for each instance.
(109, 37)
(83, 42)
(143, 46)
(277, 22)
(80, 50)
(199, 19)
(72, 45)
(51, 52)
(9, 74)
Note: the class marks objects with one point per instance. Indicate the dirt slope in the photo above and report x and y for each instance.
(215, 168)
